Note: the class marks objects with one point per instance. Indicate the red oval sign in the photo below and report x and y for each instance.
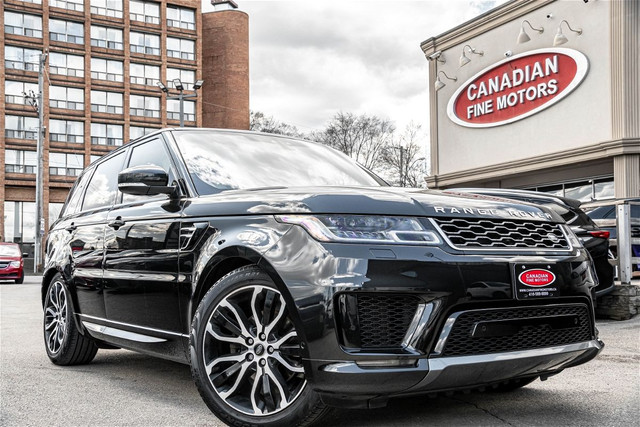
(537, 277)
(517, 87)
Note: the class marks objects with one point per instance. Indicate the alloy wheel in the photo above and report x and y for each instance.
(251, 352)
(55, 317)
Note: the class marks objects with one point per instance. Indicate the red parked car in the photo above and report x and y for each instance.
(11, 262)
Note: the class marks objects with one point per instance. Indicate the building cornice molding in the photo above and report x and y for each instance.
(599, 151)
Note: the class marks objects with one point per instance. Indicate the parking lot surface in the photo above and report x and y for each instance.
(124, 388)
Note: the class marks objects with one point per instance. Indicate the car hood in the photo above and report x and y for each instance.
(366, 200)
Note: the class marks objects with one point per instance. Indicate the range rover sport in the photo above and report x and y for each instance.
(292, 280)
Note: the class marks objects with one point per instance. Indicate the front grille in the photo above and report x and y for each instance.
(461, 342)
(384, 319)
(4, 264)
(502, 234)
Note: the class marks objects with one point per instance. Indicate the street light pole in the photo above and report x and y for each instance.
(37, 259)
(177, 83)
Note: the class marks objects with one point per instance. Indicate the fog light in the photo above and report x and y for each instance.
(391, 363)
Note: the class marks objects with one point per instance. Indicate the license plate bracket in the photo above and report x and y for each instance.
(535, 281)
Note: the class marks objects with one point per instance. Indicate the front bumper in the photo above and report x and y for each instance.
(11, 273)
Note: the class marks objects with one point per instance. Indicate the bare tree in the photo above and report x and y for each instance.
(404, 159)
(362, 137)
(259, 122)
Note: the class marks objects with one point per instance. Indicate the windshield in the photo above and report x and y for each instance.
(9, 250)
(230, 161)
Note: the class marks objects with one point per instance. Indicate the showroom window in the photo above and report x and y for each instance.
(110, 38)
(66, 65)
(106, 102)
(66, 164)
(21, 58)
(586, 191)
(19, 222)
(148, 44)
(66, 131)
(14, 91)
(21, 127)
(106, 134)
(107, 69)
(144, 11)
(187, 77)
(77, 5)
(136, 132)
(173, 110)
(23, 24)
(143, 74)
(66, 97)
(145, 106)
(181, 17)
(66, 31)
(111, 8)
(20, 161)
(181, 48)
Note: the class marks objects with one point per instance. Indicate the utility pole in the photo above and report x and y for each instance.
(37, 260)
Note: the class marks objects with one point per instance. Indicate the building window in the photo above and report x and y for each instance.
(143, 74)
(148, 44)
(54, 212)
(94, 157)
(145, 106)
(110, 38)
(32, 1)
(112, 8)
(105, 134)
(66, 97)
(19, 161)
(14, 91)
(66, 131)
(181, 48)
(66, 164)
(187, 77)
(585, 191)
(136, 132)
(20, 222)
(144, 11)
(20, 58)
(181, 17)
(66, 65)
(77, 5)
(173, 110)
(20, 127)
(106, 102)
(66, 31)
(23, 24)
(106, 69)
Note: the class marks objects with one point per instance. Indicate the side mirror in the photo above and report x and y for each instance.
(25, 255)
(145, 180)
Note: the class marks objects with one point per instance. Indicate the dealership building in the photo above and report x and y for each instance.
(104, 62)
(541, 95)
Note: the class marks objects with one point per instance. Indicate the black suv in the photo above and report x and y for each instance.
(291, 279)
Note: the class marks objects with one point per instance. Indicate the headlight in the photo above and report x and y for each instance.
(364, 229)
(15, 264)
(573, 239)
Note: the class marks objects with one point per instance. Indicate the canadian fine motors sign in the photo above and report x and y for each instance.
(517, 87)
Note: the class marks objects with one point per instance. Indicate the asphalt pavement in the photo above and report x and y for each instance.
(124, 388)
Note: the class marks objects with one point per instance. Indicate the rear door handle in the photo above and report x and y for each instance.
(117, 223)
(71, 228)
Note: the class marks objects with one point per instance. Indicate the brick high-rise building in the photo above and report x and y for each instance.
(105, 58)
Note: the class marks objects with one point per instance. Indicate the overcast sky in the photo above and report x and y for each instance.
(310, 59)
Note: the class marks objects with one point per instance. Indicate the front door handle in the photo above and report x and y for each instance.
(116, 223)
(71, 228)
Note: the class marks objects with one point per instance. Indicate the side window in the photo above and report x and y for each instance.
(150, 153)
(103, 186)
(75, 197)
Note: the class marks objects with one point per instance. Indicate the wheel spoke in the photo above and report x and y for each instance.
(254, 311)
(284, 339)
(231, 358)
(50, 325)
(254, 390)
(237, 382)
(269, 399)
(268, 307)
(290, 350)
(286, 364)
(223, 376)
(224, 321)
(219, 337)
(280, 383)
(242, 320)
(53, 298)
(269, 328)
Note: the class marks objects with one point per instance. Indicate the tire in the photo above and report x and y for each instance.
(62, 340)
(513, 385)
(20, 280)
(255, 374)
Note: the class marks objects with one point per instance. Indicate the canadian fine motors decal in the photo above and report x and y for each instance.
(517, 87)
(537, 277)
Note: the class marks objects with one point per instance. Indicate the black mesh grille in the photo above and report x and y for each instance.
(4, 264)
(384, 319)
(490, 233)
(461, 343)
